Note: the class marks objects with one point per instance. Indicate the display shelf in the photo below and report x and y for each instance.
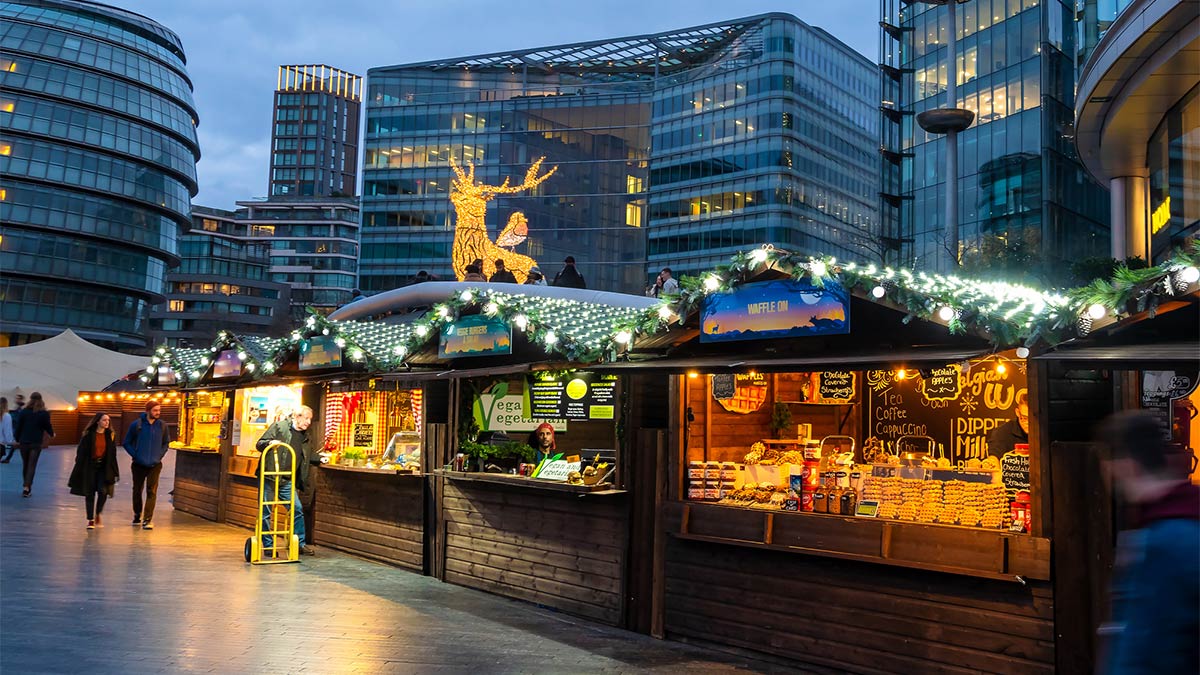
(991, 554)
(363, 469)
(531, 483)
(199, 451)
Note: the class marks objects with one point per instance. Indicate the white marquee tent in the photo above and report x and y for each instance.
(61, 367)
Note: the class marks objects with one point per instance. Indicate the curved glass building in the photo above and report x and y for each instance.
(97, 169)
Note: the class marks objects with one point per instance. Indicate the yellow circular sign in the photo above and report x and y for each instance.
(576, 389)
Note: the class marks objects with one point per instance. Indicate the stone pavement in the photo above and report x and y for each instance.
(181, 599)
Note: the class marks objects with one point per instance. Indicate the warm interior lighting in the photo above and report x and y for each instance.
(901, 373)
(693, 374)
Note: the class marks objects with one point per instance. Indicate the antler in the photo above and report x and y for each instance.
(531, 180)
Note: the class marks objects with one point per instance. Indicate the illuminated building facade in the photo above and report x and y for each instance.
(673, 149)
(314, 137)
(97, 169)
(223, 282)
(1023, 190)
(1138, 122)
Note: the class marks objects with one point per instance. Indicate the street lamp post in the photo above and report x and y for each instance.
(949, 121)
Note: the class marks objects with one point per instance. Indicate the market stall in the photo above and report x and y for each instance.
(370, 496)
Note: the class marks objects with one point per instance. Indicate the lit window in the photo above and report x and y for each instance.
(175, 306)
(7, 105)
(8, 65)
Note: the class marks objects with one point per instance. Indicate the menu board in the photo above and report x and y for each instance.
(1014, 471)
(363, 434)
(835, 385)
(987, 398)
(943, 384)
(1160, 388)
(574, 396)
(723, 387)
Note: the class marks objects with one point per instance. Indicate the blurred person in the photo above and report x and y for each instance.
(474, 273)
(293, 431)
(147, 441)
(33, 431)
(1005, 437)
(14, 414)
(664, 284)
(568, 276)
(535, 278)
(502, 275)
(6, 431)
(95, 472)
(1156, 577)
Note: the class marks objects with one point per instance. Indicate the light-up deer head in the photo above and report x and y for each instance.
(471, 241)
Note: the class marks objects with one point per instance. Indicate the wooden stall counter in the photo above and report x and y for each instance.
(197, 481)
(372, 513)
(536, 541)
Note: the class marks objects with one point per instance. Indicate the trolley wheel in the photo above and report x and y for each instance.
(249, 541)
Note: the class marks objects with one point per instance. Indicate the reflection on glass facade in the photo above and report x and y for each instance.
(1093, 19)
(223, 282)
(1173, 159)
(672, 149)
(1021, 185)
(98, 162)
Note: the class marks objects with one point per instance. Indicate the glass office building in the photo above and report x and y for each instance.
(673, 149)
(97, 168)
(314, 137)
(1024, 195)
(223, 282)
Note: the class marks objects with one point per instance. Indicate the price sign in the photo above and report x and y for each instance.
(1014, 471)
(364, 434)
(791, 505)
(943, 384)
(836, 385)
(867, 508)
(723, 387)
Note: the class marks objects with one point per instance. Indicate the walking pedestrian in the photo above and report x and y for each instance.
(568, 276)
(13, 415)
(502, 275)
(293, 431)
(146, 441)
(33, 432)
(1156, 578)
(95, 472)
(6, 431)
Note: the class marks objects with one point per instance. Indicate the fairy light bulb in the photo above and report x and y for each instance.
(357, 354)
(422, 331)
(1022, 352)
(946, 313)
(249, 367)
(1189, 274)
(1001, 368)
(340, 342)
(491, 308)
(758, 256)
(550, 338)
(901, 374)
(711, 284)
(467, 296)
(1096, 311)
(665, 313)
(399, 350)
(241, 356)
(623, 337)
(521, 321)
(878, 292)
(818, 268)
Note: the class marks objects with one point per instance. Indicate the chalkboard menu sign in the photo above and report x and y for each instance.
(574, 396)
(987, 398)
(943, 384)
(723, 387)
(363, 434)
(1014, 468)
(835, 385)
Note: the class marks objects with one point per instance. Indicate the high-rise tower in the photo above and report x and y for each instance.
(314, 141)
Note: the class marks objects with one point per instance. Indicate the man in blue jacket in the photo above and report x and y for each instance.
(146, 441)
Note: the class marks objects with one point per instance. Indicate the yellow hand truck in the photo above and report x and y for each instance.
(255, 553)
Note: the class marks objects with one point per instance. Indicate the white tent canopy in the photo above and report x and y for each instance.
(61, 367)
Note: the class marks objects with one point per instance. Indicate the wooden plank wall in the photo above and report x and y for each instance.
(241, 501)
(376, 516)
(197, 483)
(557, 550)
(860, 617)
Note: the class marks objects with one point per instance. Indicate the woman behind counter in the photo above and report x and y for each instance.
(95, 470)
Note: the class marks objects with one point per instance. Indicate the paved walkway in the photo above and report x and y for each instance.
(181, 599)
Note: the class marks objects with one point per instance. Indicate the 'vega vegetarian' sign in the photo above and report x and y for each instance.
(495, 409)
(775, 309)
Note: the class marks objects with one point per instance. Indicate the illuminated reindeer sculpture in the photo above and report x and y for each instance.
(471, 240)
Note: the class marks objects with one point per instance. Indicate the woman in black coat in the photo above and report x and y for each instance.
(95, 471)
(33, 426)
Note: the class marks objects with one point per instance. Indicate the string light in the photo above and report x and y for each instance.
(467, 296)
(946, 313)
(491, 308)
(550, 338)
(1189, 274)
(1096, 311)
(1022, 352)
(817, 268)
(623, 337)
(521, 321)
(901, 374)
(878, 292)
(665, 313)
(711, 283)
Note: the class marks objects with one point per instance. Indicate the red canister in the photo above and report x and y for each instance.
(806, 500)
(811, 474)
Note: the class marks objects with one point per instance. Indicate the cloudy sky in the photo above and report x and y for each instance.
(234, 49)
